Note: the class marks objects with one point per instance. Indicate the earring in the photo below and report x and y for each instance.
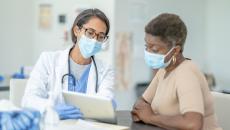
(174, 59)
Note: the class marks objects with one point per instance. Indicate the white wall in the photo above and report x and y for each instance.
(217, 40)
(16, 37)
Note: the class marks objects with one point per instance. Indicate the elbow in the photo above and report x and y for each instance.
(193, 121)
(195, 125)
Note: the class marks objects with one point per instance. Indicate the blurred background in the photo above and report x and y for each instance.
(29, 27)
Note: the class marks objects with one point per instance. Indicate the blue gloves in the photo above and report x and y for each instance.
(114, 104)
(1, 78)
(68, 112)
(20, 120)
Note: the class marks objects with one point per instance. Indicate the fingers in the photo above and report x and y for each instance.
(134, 111)
(135, 116)
(66, 111)
(114, 104)
(73, 111)
(73, 116)
(65, 107)
(68, 107)
(76, 116)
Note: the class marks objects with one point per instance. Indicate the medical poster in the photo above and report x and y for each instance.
(123, 59)
(45, 16)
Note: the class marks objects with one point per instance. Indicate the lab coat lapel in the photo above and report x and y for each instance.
(92, 78)
(62, 67)
(60, 70)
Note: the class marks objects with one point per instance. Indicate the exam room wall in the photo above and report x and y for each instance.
(16, 35)
(217, 40)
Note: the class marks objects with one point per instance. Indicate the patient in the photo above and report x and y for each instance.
(178, 96)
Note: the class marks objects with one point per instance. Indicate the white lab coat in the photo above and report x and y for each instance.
(47, 74)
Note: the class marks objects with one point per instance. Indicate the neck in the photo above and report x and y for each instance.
(179, 59)
(77, 57)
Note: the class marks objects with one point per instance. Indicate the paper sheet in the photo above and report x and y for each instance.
(84, 125)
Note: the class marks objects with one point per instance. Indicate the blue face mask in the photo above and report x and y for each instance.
(156, 61)
(89, 47)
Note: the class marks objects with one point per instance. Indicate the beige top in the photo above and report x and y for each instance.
(185, 89)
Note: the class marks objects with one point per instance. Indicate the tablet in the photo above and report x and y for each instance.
(92, 106)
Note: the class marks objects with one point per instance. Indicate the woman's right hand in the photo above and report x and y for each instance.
(135, 118)
(141, 102)
(138, 105)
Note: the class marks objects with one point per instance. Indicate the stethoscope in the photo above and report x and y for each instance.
(73, 77)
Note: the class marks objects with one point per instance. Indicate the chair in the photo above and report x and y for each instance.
(222, 109)
(17, 88)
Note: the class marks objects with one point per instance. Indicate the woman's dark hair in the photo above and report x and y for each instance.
(85, 16)
(169, 27)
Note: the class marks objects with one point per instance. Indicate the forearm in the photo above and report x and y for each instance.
(188, 121)
(179, 122)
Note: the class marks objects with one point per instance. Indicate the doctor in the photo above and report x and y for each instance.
(74, 69)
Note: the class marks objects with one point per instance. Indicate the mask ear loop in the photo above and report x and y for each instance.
(105, 45)
(173, 58)
(78, 38)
